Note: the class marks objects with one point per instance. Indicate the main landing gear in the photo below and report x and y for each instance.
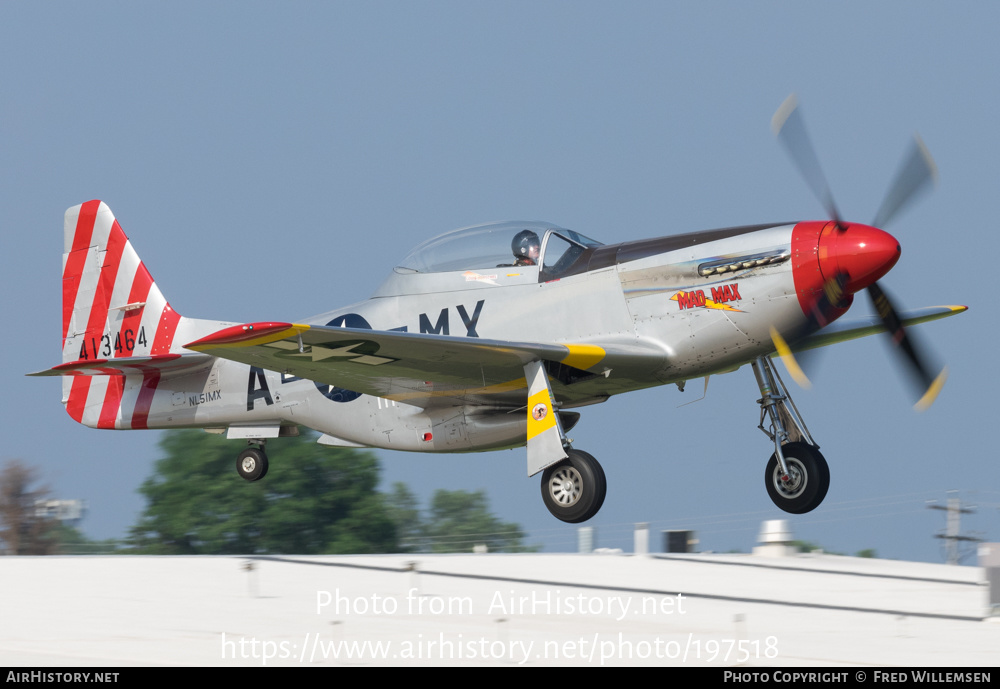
(251, 464)
(573, 482)
(573, 490)
(797, 476)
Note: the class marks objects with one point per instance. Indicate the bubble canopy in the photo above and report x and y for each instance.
(481, 246)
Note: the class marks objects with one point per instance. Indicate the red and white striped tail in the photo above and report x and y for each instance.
(112, 309)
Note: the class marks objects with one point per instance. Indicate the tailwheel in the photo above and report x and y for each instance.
(807, 482)
(251, 464)
(573, 490)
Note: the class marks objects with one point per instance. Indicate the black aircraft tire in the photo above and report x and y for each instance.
(251, 464)
(810, 479)
(574, 489)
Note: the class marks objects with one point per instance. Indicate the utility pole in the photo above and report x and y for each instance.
(951, 535)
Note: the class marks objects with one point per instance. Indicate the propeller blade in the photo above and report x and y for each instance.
(788, 359)
(833, 298)
(917, 170)
(929, 383)
(820, 314)
(790, 129)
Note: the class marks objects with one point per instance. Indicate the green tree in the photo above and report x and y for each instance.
(809, 547)
(70, 541)
(315, 499)
(404, 510)
(456, 522)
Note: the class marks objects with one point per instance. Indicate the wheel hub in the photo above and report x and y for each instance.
(566, 486)
(249, 464)
(792, 485)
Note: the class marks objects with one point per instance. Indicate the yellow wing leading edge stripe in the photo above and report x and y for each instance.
(296, 329)
(583, 356)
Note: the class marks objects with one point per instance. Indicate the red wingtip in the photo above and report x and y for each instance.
(238, 334)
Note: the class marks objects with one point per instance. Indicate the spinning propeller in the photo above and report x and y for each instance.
(853, 256)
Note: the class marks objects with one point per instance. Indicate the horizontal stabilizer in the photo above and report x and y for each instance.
(165, 363)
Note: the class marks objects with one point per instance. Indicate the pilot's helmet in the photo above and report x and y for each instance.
(525, 245)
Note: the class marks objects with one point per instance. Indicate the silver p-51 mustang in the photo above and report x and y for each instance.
(493, 336)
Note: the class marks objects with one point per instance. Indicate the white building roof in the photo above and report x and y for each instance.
(719, 610)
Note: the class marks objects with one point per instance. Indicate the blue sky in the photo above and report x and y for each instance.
(273, 161)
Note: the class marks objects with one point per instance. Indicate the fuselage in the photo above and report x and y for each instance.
(702, 303)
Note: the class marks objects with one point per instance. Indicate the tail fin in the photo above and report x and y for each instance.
(112, 309)
(111, 306)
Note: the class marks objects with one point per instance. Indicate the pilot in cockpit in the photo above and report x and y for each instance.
(526, 248)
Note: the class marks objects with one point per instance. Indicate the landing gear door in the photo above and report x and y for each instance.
(546, 440)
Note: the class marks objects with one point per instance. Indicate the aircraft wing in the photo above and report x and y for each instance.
(851, 329)
(421, 369)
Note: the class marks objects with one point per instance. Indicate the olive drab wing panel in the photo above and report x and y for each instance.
(420, 369)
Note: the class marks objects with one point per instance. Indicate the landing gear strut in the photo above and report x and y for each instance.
(797, 476)
(251, 464)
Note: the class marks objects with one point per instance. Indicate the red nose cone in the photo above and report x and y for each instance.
(861, 252)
